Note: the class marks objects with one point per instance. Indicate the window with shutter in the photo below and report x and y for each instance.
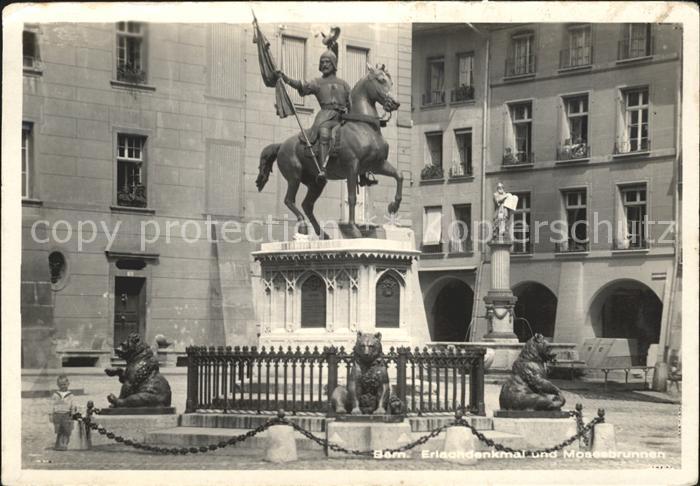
(521, 224)
(130, 52)
(224, 178)
(432, 226)
(131, 170)
(27, 161)
(576, 220)
(355, 68)
(294, 63)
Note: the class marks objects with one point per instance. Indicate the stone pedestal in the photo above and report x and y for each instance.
(500, 300)
(459, 445)
(604, 438)
(134, 427)
(362, 284)
(281, 445)
(366, 436)
(538, 432)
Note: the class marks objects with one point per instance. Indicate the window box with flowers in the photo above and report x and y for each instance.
(431, 173)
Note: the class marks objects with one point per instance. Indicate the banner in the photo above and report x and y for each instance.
(268, 71)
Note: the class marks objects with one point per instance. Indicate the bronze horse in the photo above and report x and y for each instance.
(362, 150)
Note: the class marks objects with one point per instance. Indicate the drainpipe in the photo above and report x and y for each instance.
(482, 205)
(659, 380)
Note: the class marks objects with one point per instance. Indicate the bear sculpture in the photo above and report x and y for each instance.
(142, 383)
(528, 387)
(368, 391)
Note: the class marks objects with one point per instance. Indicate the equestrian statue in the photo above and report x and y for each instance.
(345, 141)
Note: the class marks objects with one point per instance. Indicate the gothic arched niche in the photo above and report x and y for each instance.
(313, 302)
(388, 301)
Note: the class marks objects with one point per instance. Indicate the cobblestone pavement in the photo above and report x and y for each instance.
(639, 426)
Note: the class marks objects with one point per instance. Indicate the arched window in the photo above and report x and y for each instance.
(313, 302)
(388, 301)
(57, 269)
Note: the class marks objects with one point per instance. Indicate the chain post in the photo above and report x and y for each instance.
(332, 354)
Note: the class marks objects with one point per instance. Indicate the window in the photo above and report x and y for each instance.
(632, 224)
(634, 122)
(224, 178)
(313, 302)
(57, 268)
(576, 221)
(522, 60)
(636, 42)
(435, 92)
(460, 240)
(294, 62)
(521, 224)
(131, 184)
(130, 52)
(579, 51)
(432, 228)
(463, 167)
(356, 60)
(519, 135)
(225, 53)
(388, 301)
(30, 49)
(27, 160)
(465, 78)
(574, 134)
(433, 156)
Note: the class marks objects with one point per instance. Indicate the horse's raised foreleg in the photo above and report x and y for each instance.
(389, 170)
(290, 202)
(352, 202)
(307, 205)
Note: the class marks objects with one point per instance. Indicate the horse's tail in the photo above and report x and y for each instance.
(267, 158)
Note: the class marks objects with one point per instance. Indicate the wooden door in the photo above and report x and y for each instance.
(129, 308)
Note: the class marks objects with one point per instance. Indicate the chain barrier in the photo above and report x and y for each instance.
(87, 421)
(583, 433)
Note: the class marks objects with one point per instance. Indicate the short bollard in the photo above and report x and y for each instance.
(281, 445)
(603, 438)
(80, 439)
(459, 445)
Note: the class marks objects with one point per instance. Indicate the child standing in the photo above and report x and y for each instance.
(61, 414)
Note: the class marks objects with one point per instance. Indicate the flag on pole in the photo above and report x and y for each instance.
(268, 71)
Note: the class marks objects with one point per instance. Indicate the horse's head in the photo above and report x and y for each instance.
(378, 85)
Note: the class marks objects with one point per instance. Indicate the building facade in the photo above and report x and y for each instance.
(449, 96)
(140, 148)
(583, 126)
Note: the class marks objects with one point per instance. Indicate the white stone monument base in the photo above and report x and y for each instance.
(356, 275)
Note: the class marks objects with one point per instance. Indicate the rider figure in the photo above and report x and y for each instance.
(333, 95)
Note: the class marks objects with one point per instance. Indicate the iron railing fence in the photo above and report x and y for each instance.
(260, 380)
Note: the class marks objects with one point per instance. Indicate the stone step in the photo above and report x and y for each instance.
(436, 443)
(204, 436)
(312, 423)
(431, 422)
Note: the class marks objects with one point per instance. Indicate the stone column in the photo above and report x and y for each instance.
(500, 300)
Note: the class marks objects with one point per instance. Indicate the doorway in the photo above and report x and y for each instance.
(129, 307)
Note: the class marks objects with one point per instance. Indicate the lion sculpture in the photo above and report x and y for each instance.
(528, 387)
(368, 390)
(142, 383)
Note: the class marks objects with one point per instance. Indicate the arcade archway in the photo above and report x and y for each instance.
(535, 311)
(628, 309)
(451, 311)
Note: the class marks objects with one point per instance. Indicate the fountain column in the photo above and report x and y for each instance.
(500, 301)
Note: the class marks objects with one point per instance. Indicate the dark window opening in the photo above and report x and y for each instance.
(313, 302)
(57, 267)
